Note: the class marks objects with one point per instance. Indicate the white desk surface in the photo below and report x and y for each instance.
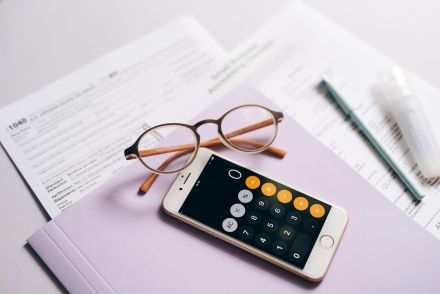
(41, 41)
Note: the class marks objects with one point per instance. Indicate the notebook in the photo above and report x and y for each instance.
(115, 241)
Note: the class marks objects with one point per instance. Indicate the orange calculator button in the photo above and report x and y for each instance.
(268, 189)
(301, 203)
(252, 182)
(317, 210)
(284, 196)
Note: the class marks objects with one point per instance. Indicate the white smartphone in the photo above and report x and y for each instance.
(280, 224)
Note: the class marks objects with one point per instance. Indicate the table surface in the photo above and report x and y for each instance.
(41, 41)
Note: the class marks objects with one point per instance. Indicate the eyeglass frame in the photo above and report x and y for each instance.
(132, 152)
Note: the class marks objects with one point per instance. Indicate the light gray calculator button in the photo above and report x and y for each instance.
(229, 225)
(245, 196)
(237, 210)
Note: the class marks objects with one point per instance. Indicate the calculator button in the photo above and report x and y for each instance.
(254, 218)
(300, 248)
(270, 225)
(286, 233)
(245, 196)
(284, 196)
(237, 210)
(261, 203)
(294, 217)
(277, 210)
(229, 225)
(310, 225)
(279, 248)
(268, 189)
(300, 203)
(246, 232)
(262, 240)
(317, 210)
(252, 182)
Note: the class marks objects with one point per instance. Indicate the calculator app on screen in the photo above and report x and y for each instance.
(256, 210)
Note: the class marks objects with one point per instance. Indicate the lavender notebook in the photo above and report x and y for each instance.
(114, 241)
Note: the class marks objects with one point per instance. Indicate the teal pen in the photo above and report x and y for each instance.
(340, 101)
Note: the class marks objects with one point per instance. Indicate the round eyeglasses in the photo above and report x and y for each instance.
(246, 128)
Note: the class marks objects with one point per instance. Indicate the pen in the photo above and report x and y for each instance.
(340, 101)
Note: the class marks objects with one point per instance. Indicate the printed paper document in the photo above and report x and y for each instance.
(68, 138)
(286, 60)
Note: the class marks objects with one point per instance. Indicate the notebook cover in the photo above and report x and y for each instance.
(114, 240)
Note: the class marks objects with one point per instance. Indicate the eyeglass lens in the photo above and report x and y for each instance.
(249, 128)
(156, 151)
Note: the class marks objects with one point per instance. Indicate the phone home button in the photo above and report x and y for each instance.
(326, 241)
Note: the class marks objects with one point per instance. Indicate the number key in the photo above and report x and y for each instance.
(246, 232)
(300, 247)
(279, 248)
(254, 218)
(294, 217)
(262, 240)
(286, 232)
(270, 225)
(277, 210)
(261, 203)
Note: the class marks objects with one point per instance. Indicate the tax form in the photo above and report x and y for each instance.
(68, 138)
(286, 60)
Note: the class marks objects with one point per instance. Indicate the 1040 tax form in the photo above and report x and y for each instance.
(68, 138)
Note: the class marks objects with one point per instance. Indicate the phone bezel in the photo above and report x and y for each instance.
(319, 258)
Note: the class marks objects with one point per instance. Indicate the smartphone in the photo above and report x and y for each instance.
(280, 224)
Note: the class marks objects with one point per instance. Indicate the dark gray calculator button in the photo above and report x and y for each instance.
(301, 246)
(286, 233)
(262, 240)
(261, 203)
(279, 248)
(294, 217)
(270, 225)
(310, 225)
(254, 218)
(246, 232)
(277, 210)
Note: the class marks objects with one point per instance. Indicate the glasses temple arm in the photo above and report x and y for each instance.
(146, 185)
(250, 128)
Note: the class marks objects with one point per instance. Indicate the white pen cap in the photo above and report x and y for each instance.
(395, 84)
(412, 121)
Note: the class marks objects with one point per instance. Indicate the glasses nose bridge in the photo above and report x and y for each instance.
(206, 121)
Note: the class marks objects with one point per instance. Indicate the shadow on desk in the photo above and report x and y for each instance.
(45, 268)
(34, 196)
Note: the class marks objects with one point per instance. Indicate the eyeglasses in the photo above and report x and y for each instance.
(246, 128)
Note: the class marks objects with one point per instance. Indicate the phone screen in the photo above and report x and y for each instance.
(256, 210)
